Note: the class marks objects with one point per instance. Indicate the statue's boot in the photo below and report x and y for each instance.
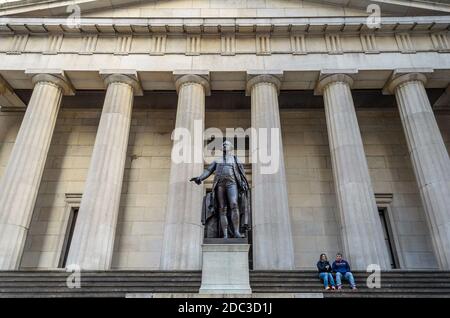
(235, 219)
(224, 222)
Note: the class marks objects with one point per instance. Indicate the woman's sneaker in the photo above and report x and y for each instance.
(327, 288)
(339, 287)
(354, 288)
(333, 288)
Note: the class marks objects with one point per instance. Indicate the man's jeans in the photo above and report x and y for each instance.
(348, 276)
(326, 277)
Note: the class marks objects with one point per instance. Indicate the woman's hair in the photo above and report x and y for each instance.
(323, 254)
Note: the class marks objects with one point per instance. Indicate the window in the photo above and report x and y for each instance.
(388, 237)
(68, 237)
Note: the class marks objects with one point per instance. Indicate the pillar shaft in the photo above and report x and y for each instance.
(272, 235)
(93, 237)
(21, 180)
(183, 232)
(429, 157)
(362, 234)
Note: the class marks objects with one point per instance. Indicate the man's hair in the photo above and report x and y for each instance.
(339, 254)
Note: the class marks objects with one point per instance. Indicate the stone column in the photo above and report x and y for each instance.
(21, 180)
(93, 237)
(183, 231)
(429, 157)
(272, 235)
(361, 231)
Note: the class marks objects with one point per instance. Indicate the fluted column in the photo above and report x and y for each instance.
(429, 157)
(272, 235)
(183, 231)
(93, 237)
(21, 180)
(361, 231)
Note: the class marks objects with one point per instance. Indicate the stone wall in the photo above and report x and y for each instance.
(310, 184)
(140, 224)
(315, 218)
(308, 167)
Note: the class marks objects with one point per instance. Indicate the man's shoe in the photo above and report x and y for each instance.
(354, 288)
(327, 288)
(339, 287)
(333, 288)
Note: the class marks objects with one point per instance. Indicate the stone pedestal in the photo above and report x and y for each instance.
(225, 269)
(362, 234)
(429, 158)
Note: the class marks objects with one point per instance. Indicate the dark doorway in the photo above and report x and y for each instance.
(68, 238)
(388, 237)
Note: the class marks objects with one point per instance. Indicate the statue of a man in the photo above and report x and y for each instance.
(230, 190)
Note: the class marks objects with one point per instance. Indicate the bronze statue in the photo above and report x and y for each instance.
(229, 200)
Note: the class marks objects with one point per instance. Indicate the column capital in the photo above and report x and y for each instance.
(332, 76)
(192, 76)
(403, 76)
(255, 77)
(55, 76)
(129, 77)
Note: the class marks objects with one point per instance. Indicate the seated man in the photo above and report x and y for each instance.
(342, 268)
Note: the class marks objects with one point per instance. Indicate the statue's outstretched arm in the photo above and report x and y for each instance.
(205, 175)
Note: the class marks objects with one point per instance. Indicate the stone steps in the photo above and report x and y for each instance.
(393, 283)
(136, 273)
(97, 283)
(262, 285)
(119, 283)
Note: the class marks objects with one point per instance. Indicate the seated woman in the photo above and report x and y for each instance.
(325, 272)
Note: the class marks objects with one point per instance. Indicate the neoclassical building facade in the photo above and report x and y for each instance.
(90, 96)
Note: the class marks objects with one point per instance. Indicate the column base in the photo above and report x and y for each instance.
(225, 269)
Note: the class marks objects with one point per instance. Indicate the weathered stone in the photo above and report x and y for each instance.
(20, 182)
(361, 230)
(272, 235)
(429, 157)
(225, 269)
(93, 238)
(183, 232)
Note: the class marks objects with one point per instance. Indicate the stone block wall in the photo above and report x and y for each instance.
(310, 186)
(141, 217)
(312, 202)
